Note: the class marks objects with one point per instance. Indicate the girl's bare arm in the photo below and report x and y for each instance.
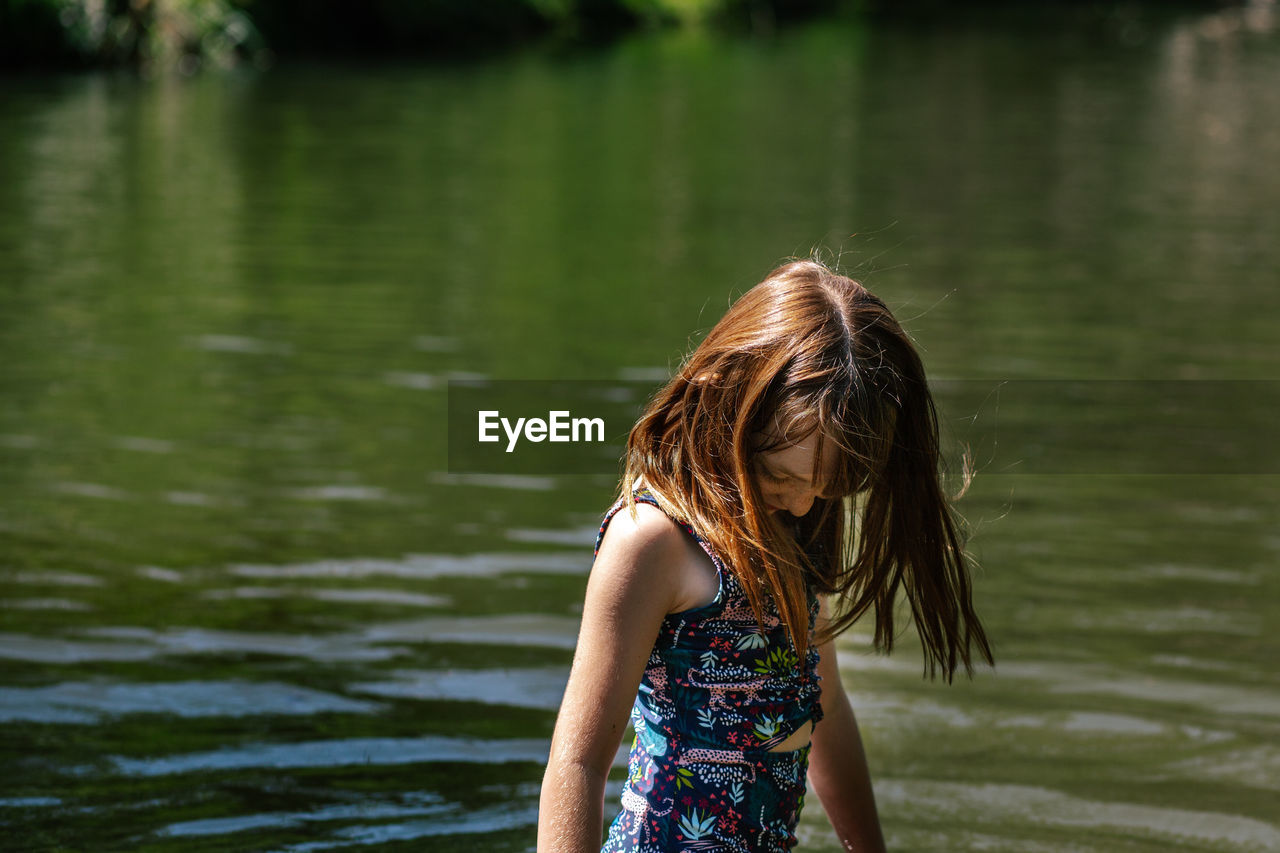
(838, 765)
(634, 582)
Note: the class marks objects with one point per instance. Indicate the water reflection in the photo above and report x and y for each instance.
(425, 803)
(46, 650)
(1229, 699)
(340, 493)
(357, 596)
(148, 644)
(231, 309)
(86, 702)
(240, 344)
(514, 629)
(492, 819)
(341, 752)
(1021, 808)
(527, 688)
(427, 566)
(44, 604)
(523, 482)
(1257, 767)
(27, 802)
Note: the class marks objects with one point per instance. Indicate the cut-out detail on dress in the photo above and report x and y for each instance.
(805, 727)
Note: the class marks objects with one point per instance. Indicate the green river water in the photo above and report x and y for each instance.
(246, 605)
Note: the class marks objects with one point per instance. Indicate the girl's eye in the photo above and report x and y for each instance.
(770, 476)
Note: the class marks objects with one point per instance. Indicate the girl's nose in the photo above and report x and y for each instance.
(799, 503)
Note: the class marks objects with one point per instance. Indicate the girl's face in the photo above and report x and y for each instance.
(784, 476)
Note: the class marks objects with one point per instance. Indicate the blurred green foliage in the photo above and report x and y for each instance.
(185, 34)
(189, 34)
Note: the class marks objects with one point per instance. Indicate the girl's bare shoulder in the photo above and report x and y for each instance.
(657, 550)
(647, 533)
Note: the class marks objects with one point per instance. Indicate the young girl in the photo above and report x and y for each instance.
(781, 485)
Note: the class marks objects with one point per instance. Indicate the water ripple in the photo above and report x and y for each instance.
(1041, 806)
(1258, 767)
(522, 688)
(45, 604)
(346, 596)
(28, 802)
(491, 819)
(584, 536)
(527, 482)
(239, 344)
(56, 578)
(56, 650)
(340, 752)
(1103, 680)
(339, 492)
(521, 629)
(84, 702)
(429, 804)
(132, 643)
(337, 647)
(424, 566)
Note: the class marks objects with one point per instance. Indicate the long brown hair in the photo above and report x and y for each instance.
(810, 350)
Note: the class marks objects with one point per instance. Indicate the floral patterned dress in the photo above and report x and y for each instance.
(718, 692)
